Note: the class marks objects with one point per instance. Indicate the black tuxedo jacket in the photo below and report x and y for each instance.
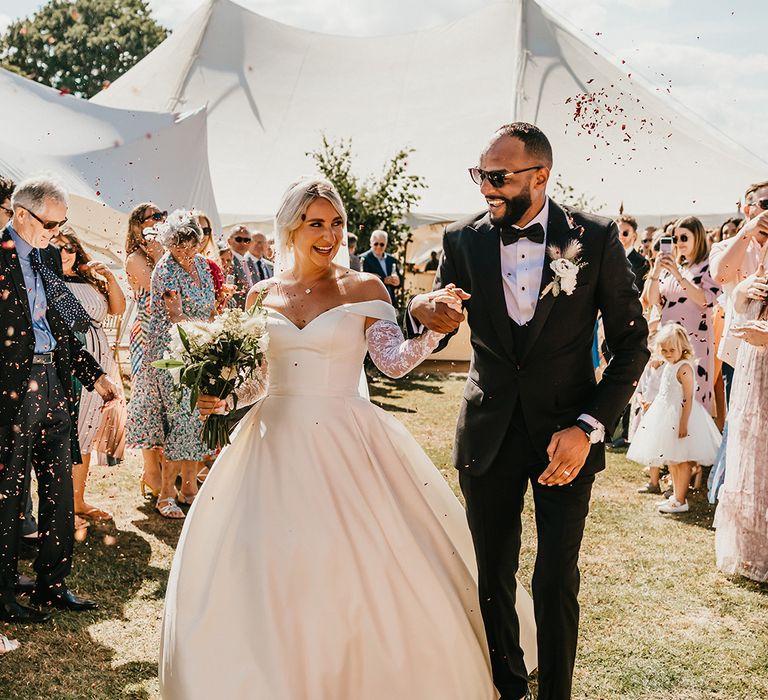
(371, 264)
(551, 376)
(640, 268)
(19, 340)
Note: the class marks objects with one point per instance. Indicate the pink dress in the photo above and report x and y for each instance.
(676, 307)
(741, 519)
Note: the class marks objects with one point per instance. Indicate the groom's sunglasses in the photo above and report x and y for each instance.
(497, 177)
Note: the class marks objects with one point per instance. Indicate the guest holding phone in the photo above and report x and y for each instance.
(682, 287)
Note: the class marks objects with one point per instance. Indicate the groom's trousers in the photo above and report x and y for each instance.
(494, 507)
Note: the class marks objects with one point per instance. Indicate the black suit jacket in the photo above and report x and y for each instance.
(640, 268)
(19, 340)
(371, 264)
(551, 376)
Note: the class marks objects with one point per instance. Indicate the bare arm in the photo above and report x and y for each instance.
(685, 377)
(725, 262)
(138, 271)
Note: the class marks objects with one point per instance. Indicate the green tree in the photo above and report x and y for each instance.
(79, 46)
(372, 203)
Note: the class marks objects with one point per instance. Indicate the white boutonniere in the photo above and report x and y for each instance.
(566, 265)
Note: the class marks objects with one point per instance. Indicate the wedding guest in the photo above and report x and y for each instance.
(741, 519)
(38, 359)
(142, 253)
(729, 228)
(261, 268)
(354, 259)
(732, 261)
(101, 431)
(269, 249)
(647, 390)
(182, 290)
(681, 285)
(208, 247)
(646, 242)
(433, 263)
(239, 240)
(627, 226)
(378, 262)
(677, 430)
(6, 190)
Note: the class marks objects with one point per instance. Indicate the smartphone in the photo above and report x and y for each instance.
(665, 244)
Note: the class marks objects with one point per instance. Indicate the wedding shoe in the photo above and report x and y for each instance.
(674, 506)
(7, 645)
(153, 493)
(168, 509)
(186, 500)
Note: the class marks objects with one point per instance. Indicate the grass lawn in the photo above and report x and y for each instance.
(658, 620)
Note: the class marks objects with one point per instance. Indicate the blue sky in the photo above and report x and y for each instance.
(715, 52)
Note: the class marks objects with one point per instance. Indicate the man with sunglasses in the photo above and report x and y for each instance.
(39, 356)
(732, 261)
(532, 412)
(239, 241)
(378, 262)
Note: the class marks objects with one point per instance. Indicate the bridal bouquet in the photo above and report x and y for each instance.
(215, 358)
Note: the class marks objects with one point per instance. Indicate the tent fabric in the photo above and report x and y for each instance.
(108, 159)
(272, 90)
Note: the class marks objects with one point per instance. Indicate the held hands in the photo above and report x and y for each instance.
(210, 404)
(440, 311)
(108, 390)
(567, 451)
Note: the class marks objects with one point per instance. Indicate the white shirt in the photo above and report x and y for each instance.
(522, 265)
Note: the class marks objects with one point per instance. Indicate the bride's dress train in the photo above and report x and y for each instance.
(325, 557)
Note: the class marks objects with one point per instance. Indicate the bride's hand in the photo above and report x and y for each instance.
(207, 405)
(451, 296)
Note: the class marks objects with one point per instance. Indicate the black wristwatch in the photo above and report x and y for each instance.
(594, 435)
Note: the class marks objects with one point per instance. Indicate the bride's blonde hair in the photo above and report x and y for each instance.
(675, 335)
(293, 209)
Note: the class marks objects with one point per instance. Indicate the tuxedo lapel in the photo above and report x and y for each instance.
(13, 265)
(487, 254)
(558, 234)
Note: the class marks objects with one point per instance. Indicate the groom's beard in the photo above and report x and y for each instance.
(513, 209)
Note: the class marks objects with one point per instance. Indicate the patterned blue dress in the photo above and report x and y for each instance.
(155, 416)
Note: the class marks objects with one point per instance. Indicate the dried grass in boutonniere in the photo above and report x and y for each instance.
(566, 265)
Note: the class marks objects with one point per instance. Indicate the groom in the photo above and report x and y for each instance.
(532, 411)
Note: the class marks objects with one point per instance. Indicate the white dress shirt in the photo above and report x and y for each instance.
(522, 265)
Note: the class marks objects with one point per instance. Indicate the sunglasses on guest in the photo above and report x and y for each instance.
(497, 177)
(241, 239)
(67, 248)
(47, 225)
(762, 203)
(626, 234)
(378, 245)
(207, 230)
(157, 216)
(7, 210)
(683, 238)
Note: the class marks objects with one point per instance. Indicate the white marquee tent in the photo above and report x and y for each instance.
(108, 159)
(272, 90)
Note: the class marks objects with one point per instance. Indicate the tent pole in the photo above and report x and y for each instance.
(521, 57)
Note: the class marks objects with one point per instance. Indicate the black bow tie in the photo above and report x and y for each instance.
(534, 233)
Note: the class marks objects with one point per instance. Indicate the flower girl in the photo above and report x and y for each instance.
(676, 430)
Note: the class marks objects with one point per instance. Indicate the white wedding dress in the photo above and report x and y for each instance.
(325, 557)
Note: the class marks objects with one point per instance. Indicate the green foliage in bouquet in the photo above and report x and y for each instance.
(214, 358)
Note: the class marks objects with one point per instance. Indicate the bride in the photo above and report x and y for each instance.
(325, 557)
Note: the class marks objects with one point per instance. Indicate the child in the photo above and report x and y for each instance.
(647, 389)
(677, 430)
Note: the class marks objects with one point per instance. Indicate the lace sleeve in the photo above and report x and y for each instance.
(251, 390)
(394, 355)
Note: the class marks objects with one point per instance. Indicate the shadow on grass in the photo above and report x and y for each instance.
(167, 530)
(61, 658)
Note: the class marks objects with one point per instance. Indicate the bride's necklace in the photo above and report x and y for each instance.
(308, 290)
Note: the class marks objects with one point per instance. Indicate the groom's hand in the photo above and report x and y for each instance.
(567, 451)
(437, 315)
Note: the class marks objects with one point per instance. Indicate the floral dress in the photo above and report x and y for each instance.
(676, 307)
(155, 416)
(139, 330)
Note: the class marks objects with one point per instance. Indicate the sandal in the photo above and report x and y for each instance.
(95, 515)
(7, 645)
(168, 509)
(153, 493)
(185, 500)
(202, 474)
